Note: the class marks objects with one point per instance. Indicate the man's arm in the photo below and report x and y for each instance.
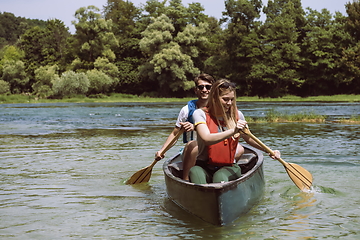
(168, 140)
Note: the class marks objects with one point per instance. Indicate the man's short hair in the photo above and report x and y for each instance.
(205, 77)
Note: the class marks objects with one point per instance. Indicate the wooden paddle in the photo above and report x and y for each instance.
(299, 175)
(144, 174)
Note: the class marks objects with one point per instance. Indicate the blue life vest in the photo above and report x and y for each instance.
(192, 107)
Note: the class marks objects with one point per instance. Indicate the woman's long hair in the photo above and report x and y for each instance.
(219, 88)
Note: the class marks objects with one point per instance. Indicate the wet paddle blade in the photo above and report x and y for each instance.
(299, 175)
(141, 176)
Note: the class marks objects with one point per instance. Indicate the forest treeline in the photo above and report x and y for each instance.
(156, 49)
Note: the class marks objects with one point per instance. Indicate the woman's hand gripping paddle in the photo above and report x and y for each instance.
(144, 174)
(299, 175)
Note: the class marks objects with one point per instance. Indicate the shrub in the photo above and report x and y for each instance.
(44, 77)
(71, 83)
(99, 82)
(4, 87)
(14, 73)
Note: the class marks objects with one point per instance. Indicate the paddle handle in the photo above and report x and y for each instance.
(266, 148)
(171, 143)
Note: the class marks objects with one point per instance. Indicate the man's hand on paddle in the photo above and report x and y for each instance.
(188, 126)
(277, 154)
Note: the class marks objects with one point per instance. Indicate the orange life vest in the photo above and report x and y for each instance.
(221, 153)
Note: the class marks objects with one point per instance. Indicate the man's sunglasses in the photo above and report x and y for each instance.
(201, 87)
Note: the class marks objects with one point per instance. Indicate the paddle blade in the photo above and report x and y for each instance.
(141, 176)
(299, 175)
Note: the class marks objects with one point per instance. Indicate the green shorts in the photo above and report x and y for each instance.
(206, 174)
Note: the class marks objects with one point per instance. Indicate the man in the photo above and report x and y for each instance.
(203, 84)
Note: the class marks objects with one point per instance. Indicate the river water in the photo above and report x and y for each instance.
(63, 169)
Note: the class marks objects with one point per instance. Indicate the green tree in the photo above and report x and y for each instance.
(176, 51)
(105, 66)
(99, 82)
(350, 61)
(111, 70)
(170, 58)
(322, 50)
(44, 78)
(32, 42)
(213, 54)
(10, 53)
(352, 24)
(93, 38)
(70, 83)
(9, 32)
(56, 46)
(180, 16)
(241, 43)
(12, 27)
(152, 9)
(14, 73)
(4, 87)
(125, 17)
(276, 72)
(45, 46)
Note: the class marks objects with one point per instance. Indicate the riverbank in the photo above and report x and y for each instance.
(118, 97)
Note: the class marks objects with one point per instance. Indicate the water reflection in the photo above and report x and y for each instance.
(299, 214)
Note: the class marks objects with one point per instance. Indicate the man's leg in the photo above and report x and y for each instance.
(189, 158)
(239, 151)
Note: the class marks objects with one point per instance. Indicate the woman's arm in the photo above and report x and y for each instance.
(212, 138)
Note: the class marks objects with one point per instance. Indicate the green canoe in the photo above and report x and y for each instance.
(218, 203)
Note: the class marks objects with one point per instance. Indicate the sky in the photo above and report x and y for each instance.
(64, 10)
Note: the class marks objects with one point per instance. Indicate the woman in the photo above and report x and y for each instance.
(218, 129)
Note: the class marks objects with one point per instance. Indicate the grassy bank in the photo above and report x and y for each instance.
(23, 98)
(333, 98)
(274, 116)
(352, 119)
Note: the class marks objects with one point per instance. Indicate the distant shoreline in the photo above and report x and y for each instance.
(23, 98)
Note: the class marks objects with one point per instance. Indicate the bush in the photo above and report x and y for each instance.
(42, 91)
(44, 77)
(71, 83)
(14, 73)
(99, 82)
(4, 87)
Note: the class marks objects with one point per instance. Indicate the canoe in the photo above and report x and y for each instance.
(218, 203)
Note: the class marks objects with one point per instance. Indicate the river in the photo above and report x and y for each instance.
(63, 169)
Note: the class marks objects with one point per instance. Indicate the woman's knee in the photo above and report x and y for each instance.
(226, 174)
(198, 175)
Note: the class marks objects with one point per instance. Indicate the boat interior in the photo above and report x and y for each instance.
(246, 162)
